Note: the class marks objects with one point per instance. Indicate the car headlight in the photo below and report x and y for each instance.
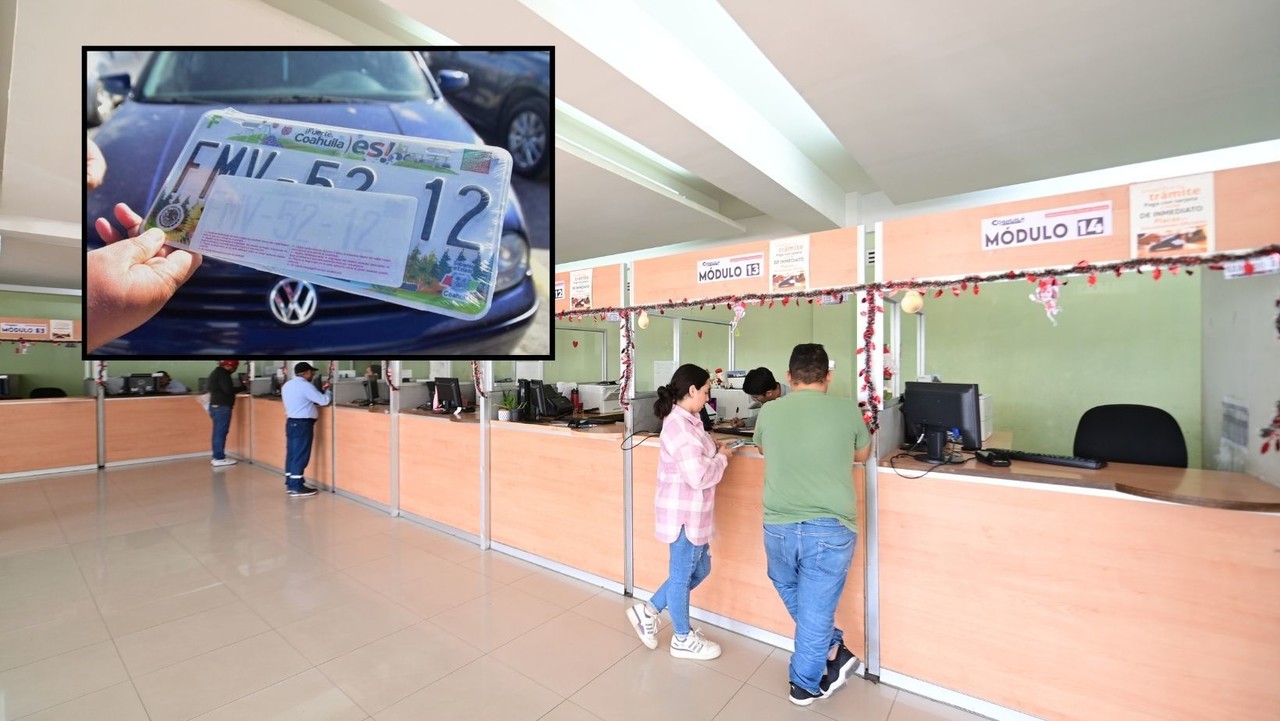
(513, 261)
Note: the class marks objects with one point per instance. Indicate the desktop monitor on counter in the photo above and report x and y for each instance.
(370, 393)
(449, 392)
(141, 383)
(934, 410)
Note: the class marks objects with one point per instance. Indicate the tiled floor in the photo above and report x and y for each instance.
(172, 591)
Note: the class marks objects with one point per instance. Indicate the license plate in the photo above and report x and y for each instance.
(407, 220)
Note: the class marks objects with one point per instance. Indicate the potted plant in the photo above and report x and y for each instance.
(508, 407)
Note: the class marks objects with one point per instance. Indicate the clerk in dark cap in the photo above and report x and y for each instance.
(300, 401)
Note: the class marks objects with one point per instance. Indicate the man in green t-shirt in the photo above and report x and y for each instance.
(810, 442)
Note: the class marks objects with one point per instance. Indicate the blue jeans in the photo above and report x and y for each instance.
(221, 416)
(298, 433)
(690, 565)
(808, 563)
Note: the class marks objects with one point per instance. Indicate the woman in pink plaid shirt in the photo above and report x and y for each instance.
(690, 464)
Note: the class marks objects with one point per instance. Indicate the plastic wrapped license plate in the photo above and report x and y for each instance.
(407, 220)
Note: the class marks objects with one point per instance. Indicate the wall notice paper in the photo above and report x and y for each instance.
(559, 290)
(406, 220)
(789, 263)
(1171, 217)
(735, 267)
(579, 289)
(1233, 447)
(62, 329)
(1053, 225)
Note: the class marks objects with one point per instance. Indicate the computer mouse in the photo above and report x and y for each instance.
(992, 458)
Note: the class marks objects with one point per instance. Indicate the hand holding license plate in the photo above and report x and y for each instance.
(407, 220)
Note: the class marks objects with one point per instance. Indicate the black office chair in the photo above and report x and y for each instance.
(1125, 433)
(48, 393)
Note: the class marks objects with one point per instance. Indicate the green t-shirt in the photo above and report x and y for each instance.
(808, 439)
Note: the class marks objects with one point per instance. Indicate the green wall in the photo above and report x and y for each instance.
(45, 364)
(1126, 340)
(595, 340)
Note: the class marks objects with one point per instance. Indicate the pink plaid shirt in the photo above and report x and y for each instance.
(688, 470)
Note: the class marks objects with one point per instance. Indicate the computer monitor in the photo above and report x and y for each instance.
(449, 391)
(370, 392)
(275, 384)
(141, 383)
(318, 382)
(6, 388)
(934, 409)
(243, 379)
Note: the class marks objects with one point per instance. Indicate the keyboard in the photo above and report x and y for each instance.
(1092, 464)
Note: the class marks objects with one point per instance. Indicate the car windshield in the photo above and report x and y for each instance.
(284, 76)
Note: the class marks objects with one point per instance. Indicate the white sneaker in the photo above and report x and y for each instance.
(645, 624)
(219, 462)
(694, 646)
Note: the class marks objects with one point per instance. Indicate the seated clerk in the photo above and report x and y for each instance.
(762, 387)
(169, 385)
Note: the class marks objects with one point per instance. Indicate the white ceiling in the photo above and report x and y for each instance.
(684, 121)
(787, 115)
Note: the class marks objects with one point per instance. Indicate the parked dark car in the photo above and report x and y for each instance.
(230, 309)
(99, 104)
(508, 94)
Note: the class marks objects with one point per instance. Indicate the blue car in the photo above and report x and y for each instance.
(227, 309)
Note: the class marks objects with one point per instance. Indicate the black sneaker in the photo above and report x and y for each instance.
(302, 492)
(801, 697)
(838, 670)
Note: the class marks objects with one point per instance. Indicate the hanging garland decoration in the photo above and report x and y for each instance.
(958, 286)
(386, 371)
(1271, 434)
(628, 351)
(102, 373)
(331, 367)
(475, 377)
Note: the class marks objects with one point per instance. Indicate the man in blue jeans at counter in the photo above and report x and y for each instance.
(222, 398)
(810, 441)
(300, 400)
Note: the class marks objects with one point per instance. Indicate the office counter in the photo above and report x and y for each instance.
(47, 434)
(439, 469)
(269, 447)
(363, 451)
(556, 492)
(1057, 592)
(739, 587)
(155, 426)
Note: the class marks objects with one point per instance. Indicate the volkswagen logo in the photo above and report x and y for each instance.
(293, 302)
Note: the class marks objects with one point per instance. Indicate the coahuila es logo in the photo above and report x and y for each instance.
(320, 138)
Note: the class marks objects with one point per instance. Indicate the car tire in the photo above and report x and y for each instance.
(526, 133)
(101, 105)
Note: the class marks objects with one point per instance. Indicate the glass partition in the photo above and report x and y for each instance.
(581, 353)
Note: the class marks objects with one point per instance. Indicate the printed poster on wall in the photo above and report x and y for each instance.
(1052, 225)
(1172, 216)
(738, 267)
(789, 263)
(61, 329)
(580, 289)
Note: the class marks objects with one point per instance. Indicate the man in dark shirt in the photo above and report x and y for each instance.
(222, 398)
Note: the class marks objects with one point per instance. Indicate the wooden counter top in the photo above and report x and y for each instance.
(1192, 486)
(611, 432)
(468, 418)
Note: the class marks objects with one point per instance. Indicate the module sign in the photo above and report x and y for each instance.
(733, 268)
(1091, 220)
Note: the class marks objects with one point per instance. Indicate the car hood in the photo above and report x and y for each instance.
(142, 141)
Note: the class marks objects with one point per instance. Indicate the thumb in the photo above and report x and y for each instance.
(140, 249)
